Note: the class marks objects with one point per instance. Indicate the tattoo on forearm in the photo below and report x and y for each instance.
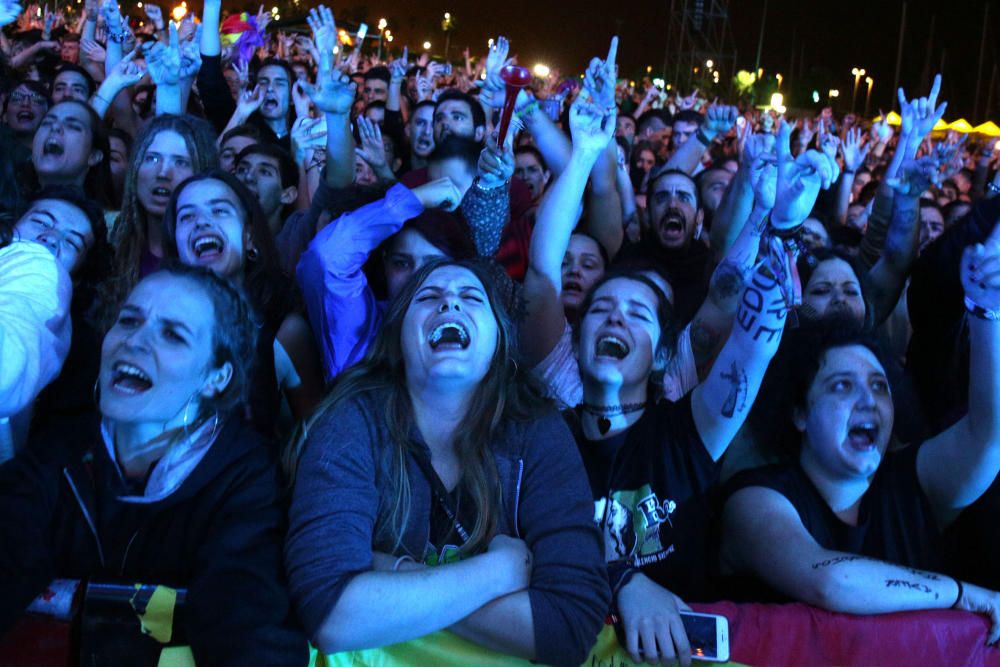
(762, 298)
(837, 560)
(704, 342)
(930, 576)
(909, 585)
(737, 378)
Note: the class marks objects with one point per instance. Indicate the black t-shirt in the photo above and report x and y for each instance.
(895, 521)
(688, 270)
(651, 488)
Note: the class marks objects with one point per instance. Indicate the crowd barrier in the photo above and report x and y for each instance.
(772, 635)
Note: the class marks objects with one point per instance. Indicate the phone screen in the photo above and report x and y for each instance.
(362, 32)
(701, 636)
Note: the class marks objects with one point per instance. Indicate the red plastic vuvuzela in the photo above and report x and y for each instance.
(515, 78)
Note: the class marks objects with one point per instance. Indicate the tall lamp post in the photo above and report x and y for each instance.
(382, 24)
(858, 73)
(447, 25)
(868, 96)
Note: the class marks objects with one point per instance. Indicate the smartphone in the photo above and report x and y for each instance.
(362, 32)
(707, 634)
(446, 69)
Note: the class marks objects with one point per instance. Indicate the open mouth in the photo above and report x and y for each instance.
(52, 147)
(572, 286)
(270, 104)
(162, 192)
(611, 347)
(129, 379)
(449, 335)
(25, 116)
(863, 436)
(208, 246)
(672, 224)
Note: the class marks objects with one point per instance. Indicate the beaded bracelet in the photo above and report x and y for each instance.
(119, 37)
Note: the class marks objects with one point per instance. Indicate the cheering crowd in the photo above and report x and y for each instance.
(303, 333)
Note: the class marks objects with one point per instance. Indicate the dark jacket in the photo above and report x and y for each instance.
(219, 535)
(341, 483)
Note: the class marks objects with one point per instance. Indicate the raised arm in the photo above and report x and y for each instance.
(756, 163)
(957, 466)
(721, 403)
(557, 217)
(333, 95)
(854, 156)
(718, 121)
(486, 205)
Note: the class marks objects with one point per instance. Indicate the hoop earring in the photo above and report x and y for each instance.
(253, 254)
(97, 393)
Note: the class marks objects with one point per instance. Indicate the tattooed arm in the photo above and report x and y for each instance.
(721, 403)
(764, 536)
(713, 322)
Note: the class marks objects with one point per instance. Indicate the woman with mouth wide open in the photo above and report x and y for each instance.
(437, 490)
(845, 523)
(164, 485)
(215, 222)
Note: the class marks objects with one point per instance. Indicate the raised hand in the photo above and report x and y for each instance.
(853, 151)
(981, 281)
(249, 101)
(684, 103)
(49, 23)
(760, 157)
(126, 73)
(591, 127)
(799, 182)
(599, 79)
(333, 93)
(306, 134)
(828, 143)
(493, 88)
(9, 11)
(399, 66)
(155, 15)
(807, 130)
(93, 51)
(372, 149)
(112, 16)
(496, 167)
(324, 30)
(186, 29)
(916, 177)
(242, 73)
(921, 114)
(719, 120)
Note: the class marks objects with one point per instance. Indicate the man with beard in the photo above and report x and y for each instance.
(674, 213)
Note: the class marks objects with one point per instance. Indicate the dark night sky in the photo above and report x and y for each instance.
(837, 37)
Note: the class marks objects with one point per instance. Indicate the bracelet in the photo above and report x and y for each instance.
(850, 171)
(961, 591)
(527, 109)
(399, 561)
(702, 138)
(981, 313)
(993, 187)
(119, 37)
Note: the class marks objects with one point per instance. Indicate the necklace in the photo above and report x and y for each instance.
(604, 412)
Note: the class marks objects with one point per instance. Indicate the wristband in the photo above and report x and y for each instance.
(702, 138)
(961, 590)
(850, 171)
(119, 37)
(399, 561)
(981, 313)
(527, 109)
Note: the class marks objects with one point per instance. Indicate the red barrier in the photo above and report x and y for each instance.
(796, 634)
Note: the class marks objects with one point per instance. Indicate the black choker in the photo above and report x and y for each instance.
(603, 412)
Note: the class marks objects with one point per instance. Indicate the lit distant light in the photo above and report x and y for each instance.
(427, 46)
(541, 71)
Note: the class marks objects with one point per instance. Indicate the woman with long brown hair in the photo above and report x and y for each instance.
(436, 490)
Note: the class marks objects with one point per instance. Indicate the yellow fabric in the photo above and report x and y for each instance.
(989, 128)
(445, 649)
(176, 656)
(960, 125)
(158, 621)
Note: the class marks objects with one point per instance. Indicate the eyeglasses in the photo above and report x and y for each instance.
(18, 97)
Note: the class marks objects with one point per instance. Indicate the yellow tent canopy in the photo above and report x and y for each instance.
(960, 125)
(989, 128)
(893, 119)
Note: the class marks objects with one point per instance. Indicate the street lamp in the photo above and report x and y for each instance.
(541, 71)
(858, 73)
(780, 79)
(868, 96)
(382, 25)
(427, 46)
(447, 25)
(831, 95)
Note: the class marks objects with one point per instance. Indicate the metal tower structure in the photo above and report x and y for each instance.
(699, 31)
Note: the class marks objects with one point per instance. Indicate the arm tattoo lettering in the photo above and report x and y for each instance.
(761, 298)
(909, 585)
(837, 560)
(930, 576)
